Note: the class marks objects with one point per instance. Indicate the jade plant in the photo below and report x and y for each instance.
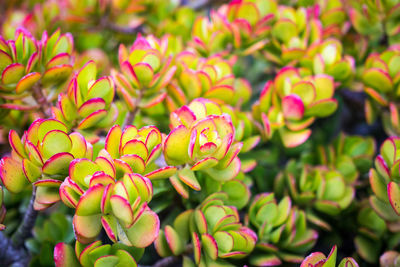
(319, 259)
(384, 181)
(282, 231)
(380, 78)
(199, 133)
(290, 103)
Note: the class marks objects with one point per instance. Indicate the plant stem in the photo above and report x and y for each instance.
(28, 222)
(166, 262)
(121, 29)
(12, 251)
(44, 105)
(106, 23)
(171, 260)
(11, 255)
(132, 114)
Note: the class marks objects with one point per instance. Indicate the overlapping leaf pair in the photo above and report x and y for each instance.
(215, 231)
(381, 78)
(317, 259)
(282, 231)
(42, 157)
(202, 139)
(289, 105)
(88, 102)
(384, 180)
(96, 254)
(25, 61)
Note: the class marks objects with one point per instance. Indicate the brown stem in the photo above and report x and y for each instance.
(44, 105)
(166, 262)
(28, 222)
(132, 114)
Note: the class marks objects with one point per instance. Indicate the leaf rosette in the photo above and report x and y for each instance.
(105, 198)
(87, 104)
(96, 254)
(136, 150)
(25, 61)
(146, 69)
(381, 78)
(290, 103)
(215, 231)
(42, 157)
(384, 180)
(202, 139)
(282, 231)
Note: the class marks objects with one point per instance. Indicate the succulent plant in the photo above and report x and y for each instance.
(145, 72)
(350, 155)
(27, 62)
(250, 22)
(244, 130)
(333, 17)
(374, 19)
(381, 80)
(384, 180)
(317, 187)
(389, 259)
(136, 150)
(215, 232)
(282, 231)
(211, 35)
(326, 58)
(42, 157)
(290, 103)
(319, 259)
(119, 206)
(372, 234)
(210, 78)
(212, 149)
(202, 139)
(96, 254)
(88, 102)
(293, 31)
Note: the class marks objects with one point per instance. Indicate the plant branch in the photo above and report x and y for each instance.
(28, 222)
(11, 255)
(171, 260)
(121, 29)
(132, 114)
(106, 23)
(44, 105)
(201, 4)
